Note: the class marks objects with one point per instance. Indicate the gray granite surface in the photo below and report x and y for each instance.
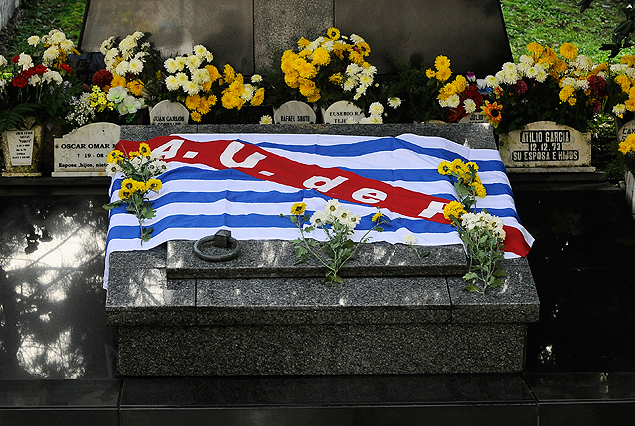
(475, 136)
(276, 258)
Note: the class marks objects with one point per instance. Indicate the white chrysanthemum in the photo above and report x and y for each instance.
(130, 105)
(137, 35)
(619, 110)
(350, 120)
(618, 68)
(581, 85)
(522, 68)
(567, 81)
(491, 81)
(33, 40)
(509, 77)
(366, 80)
(171, 83)
(318, 219)
(180, 63)
(356, 39)
(328, 45)
(394, 102)
(3, 61)
(353, 69)
(106, 45)
(200, 76)
(57, 37)
(313, 45)
(342, 215)
(541, 75)
(248, 92)
(375, 119)
(584, 63)
(111, 54)
(135, 66)
(112, 169)
(371, 70)
(332, 206)
(209, 57)
(256, 78)
(376, 108)
(54, 76)
(525, 59)
(193, 62)
(25, 61)
(50, 55)
(182, 78)
(349, 84)
(127, 44)
(67, 45)
(141, 55)
(454, 101)
(469, 106)
(266, 119)
(531, 72)
(509, 68)
(170, 65)
(443, 103)
(200, 50)
(123, 68)
(630, 73)
(35, 80)
(409, 239)
(191, 88)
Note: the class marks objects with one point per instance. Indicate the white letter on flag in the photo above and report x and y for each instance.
(227, 157)
(323, 184)
(168, 150)
(433, 208)
(368, 195)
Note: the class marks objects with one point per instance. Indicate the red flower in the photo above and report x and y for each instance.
(520, 86)
(66, 68)
(19, 81)
(28, 73)
(15, 59)
(597, 85)
(40, 69)
(102, 78)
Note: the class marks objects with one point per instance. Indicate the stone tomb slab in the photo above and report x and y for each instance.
(294, 112)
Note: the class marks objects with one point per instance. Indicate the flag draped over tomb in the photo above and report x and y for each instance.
(244, 182)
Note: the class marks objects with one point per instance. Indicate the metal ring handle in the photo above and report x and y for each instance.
(222, 238)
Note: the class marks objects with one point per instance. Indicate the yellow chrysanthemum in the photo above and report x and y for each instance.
(192, 102)
(624, 82)
(303, 43)
(144, 149)
(364, 48)
(472, 165)
(377, 216)
(444, 168)
(229, 74)
(430, 73)
(124, 193)
(259, 97)
(118, 81)
(195, 116)
(559, 66)
(213, 72)
(135, 87)
(441, 62)
(566, 92)
(114, 156)
(444, 74)
(133, 154)
(131, 185)
(630, 104)
(321, 56)
(629, 60)
(480, 189)
(535, 48)
(568, 51)
(298, 208)
(356, 57)
(336, 78)
(154, 185)
(453, 208)
(333, 33)
(458, 166)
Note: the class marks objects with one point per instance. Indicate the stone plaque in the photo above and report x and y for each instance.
(294, 112)
(20, 143)
(626, 130)
(470, 33)
(168, 112)
(475, 118)
(341, 112)
(224, 27)
(546, 145)
(83, 152)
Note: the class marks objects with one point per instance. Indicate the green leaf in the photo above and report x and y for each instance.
(470, 276)
(471, 288)
(499, 273)
(112, 205)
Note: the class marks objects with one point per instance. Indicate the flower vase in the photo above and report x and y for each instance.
(545, 146)
(22, 149)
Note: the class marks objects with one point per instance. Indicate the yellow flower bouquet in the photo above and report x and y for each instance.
(329, 69)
